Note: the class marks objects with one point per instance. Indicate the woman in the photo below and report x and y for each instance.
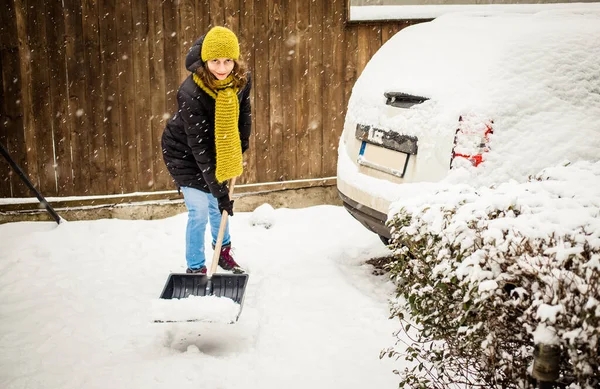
(204, 141)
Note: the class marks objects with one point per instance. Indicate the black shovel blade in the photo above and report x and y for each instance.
(183, 285)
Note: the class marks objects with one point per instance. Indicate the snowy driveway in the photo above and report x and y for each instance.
(75, 306)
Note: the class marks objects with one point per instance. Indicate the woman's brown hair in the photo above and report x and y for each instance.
(238, 73)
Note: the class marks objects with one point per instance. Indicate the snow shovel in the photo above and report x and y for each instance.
(232, 286)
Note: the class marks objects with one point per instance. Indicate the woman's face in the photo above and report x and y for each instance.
(220, 67)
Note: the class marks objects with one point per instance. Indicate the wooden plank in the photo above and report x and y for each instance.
(189, 28)
(11, 107)
(305, 101)
(364, 47)
(351, 59)
(40, 131)
(95, 97)
(59, 102)
(8, 27)
(231, 9)
(217, 13)
(275, 159)
(316, 75)
(388, 31)
(301, 65)
(8, 127)
(30, 164)
(171, 53)
(79, 107)
(110, 72)
(333, 94)
(202, 17)
(247, 39)
(6, 173)
(187, 32)
(261, 90)
(289, 73)
(158, 93)
(141, 71)
(127, 101)
(374, 40)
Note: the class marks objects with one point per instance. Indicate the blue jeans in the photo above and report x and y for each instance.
(202, 207)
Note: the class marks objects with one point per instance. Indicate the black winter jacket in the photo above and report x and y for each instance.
(188, 141)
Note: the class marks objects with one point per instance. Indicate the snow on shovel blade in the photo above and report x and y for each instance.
(221, 303)
(208, 309)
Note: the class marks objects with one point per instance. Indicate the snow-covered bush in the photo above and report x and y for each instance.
(484, 274)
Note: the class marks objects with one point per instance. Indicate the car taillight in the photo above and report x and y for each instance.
(471, 140)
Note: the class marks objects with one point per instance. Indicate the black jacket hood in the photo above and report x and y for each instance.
(193, 60)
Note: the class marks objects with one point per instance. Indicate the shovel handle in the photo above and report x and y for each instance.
(219, 243)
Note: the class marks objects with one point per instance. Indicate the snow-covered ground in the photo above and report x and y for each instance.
(76, 304)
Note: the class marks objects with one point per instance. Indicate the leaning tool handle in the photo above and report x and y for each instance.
(21, 174)
(219, 243)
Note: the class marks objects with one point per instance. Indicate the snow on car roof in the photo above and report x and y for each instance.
(537, 76)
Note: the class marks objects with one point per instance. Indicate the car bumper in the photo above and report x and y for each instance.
(372, 219)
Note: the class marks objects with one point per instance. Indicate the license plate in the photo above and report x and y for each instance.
(382, 159)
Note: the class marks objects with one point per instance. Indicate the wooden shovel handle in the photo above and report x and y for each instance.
(219, 243)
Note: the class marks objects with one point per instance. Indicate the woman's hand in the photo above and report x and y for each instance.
(225, 204)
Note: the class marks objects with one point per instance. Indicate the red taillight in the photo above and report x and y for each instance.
(471, 140)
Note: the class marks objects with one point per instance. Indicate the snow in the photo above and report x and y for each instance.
(428, 11)
(211, 309)
(263, 216)
(546, 335)
(562, 205)
(77, 302)
(488, 285)
(549, 313)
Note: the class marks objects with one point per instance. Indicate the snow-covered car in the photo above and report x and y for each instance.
(470, 98)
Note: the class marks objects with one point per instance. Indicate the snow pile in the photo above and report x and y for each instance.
(493, 270)
(263, 216)
(211, 309)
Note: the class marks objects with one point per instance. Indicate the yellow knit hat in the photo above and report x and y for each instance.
(220, 42)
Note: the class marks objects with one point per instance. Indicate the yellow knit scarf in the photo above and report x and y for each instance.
(227, 134)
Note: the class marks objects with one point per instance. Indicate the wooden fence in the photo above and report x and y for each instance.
(87, 86)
